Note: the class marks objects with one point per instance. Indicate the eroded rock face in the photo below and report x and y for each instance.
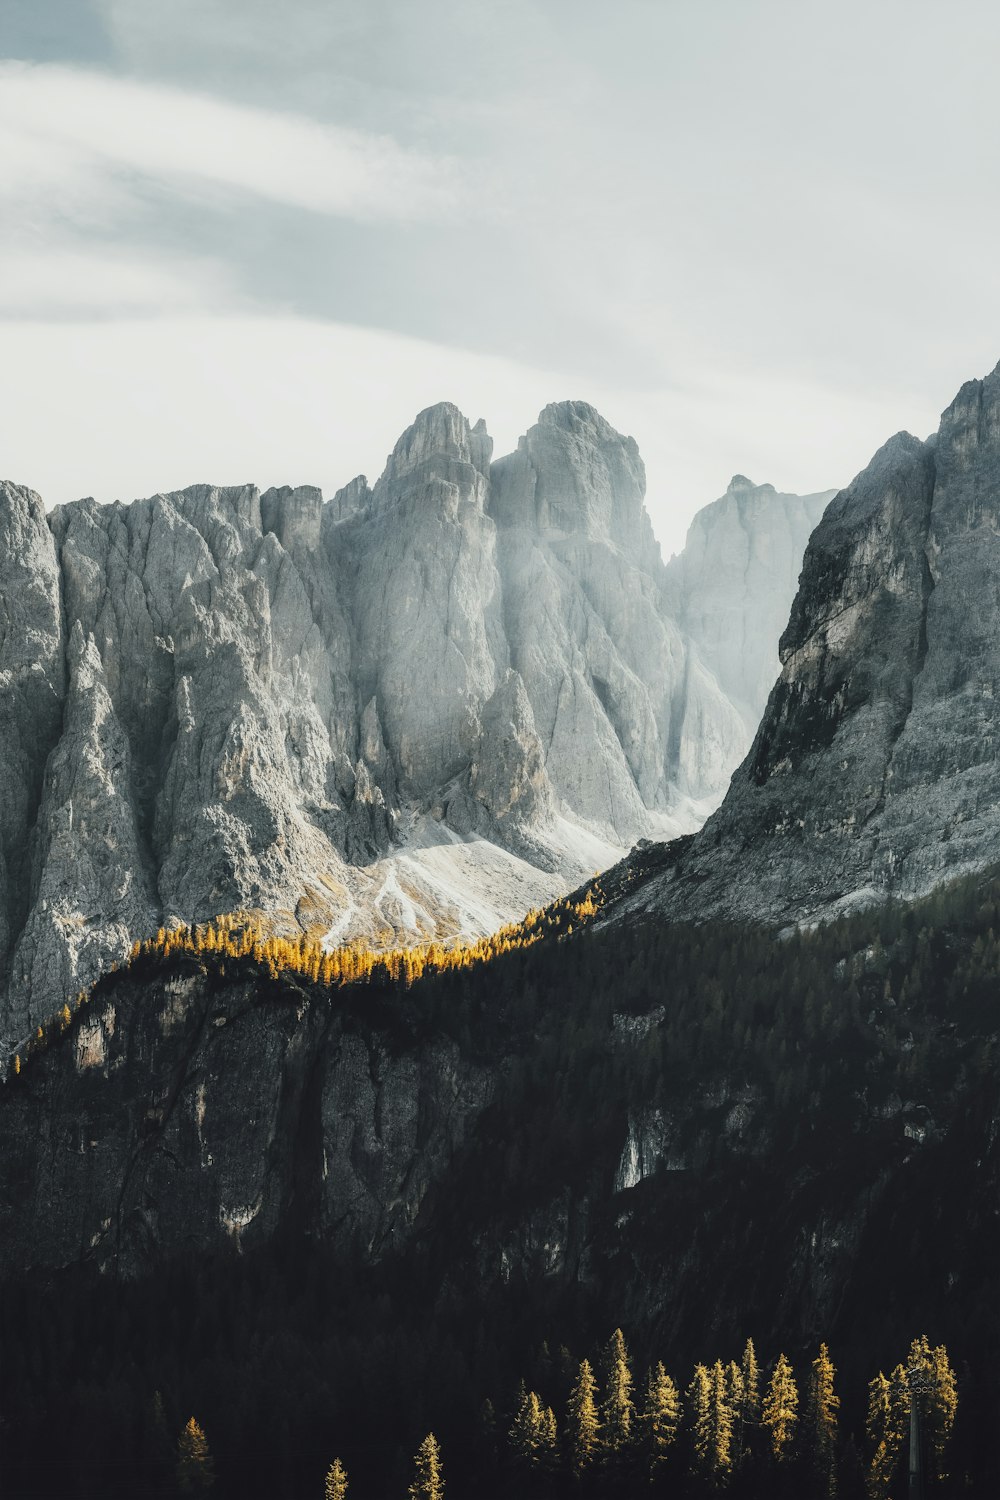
(215, 1119)
(217, 699)
(875, 768)
(426, 598)
(32, 685)
(90, 881)
(606, 668)
(732, 584)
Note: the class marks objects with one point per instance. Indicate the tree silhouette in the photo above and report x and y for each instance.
(195, 1469)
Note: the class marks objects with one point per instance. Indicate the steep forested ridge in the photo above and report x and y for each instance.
(699, 1133)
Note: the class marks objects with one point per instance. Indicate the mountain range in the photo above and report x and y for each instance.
(412, 711)
(742, 1084)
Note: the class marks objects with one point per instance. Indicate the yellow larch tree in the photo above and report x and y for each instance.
(780, 1411)
(336, 1481)
(583, 1427)
(428, 1476)
(822, 1408)
(195, 1469)
(659, 1419)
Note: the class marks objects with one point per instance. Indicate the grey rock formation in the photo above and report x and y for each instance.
(414, 709)
(32, 685)
(90, 881)
(731, 586)
(426, 598)
(617, 694)
(212, 1109)
(875, 769)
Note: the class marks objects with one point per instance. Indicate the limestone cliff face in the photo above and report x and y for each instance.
(218, 699)
(182, 1115)
(426, 597)
(875, 766)
(32, 687)
(732, 584)
(600, 661)
(628, 711)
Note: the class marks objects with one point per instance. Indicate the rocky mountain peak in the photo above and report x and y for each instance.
(740, 483)
(404, 713)
(440, 445)
(875, 768)
(294, 515)
(349, 500)
(574, 476)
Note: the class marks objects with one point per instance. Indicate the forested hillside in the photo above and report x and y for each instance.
(697, 1134)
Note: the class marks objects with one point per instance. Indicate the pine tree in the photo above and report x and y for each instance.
(698, 1405)
(884, 1431)
(734, 1387)
(533, 1433)
(336, 1481)
(582, 1421)
(943, 1407)
(195, 1469)
(428, 1480)
(524, 1428)
(748, 1415)
(734, 1397)
(780, 1412)
(548, 1448)
(821, 1423)
(937, 1394)
(660, 1420)
(618, 1409)
(720, 1453)
(899, 1400)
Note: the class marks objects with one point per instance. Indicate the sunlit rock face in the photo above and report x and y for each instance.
(413, 710)
(32, 688)
(603, 665)
(646, 682)
(426, 598)
(875, 767)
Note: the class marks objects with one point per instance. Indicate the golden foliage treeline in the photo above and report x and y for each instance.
(236, 935)
(733, 1419)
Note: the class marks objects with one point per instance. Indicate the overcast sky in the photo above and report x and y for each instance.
(242, 240)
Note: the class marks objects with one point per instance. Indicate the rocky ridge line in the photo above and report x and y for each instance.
(875, 769)
(413, 710)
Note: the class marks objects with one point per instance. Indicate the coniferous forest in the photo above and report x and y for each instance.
(809, 1252)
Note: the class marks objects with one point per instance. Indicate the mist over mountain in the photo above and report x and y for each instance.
(412, 710)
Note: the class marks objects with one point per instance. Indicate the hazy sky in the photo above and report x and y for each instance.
(243, 240)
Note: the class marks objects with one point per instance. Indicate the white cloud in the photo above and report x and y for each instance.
(79, 282)
(57, 122)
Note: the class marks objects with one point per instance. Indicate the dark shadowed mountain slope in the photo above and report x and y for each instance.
(697, 1132)
(875, 768)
